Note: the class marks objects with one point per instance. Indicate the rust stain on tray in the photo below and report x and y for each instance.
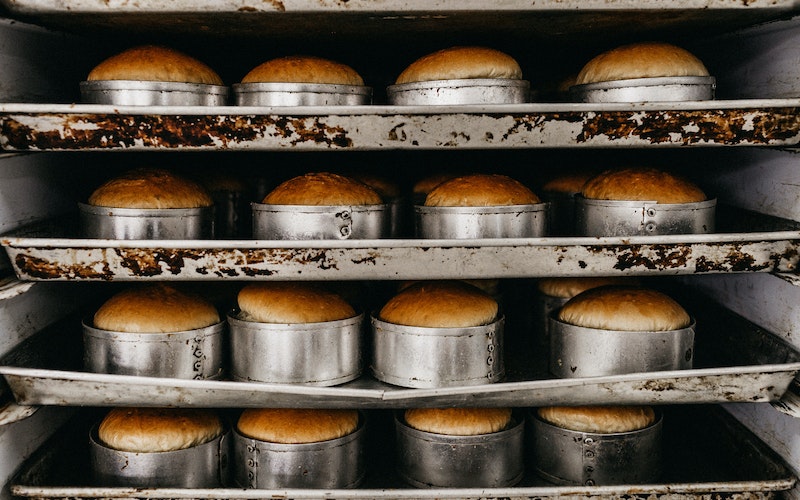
(44, 269)
(88, 131)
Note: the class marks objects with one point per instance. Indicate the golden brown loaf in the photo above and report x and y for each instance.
(440, 304)
(426, 184)
(642, 184)
(599, 419)
(624, 308)
(457, 63)
(567, 183)
(154, 64)
(297, 426)
(150, 188)
(480, 190)
(152, 430)
(303, 69)
(291, 302)
(323, 188)
(155, 309)
(566, 288)
(641, 60)
(459, 421)
(387, 189)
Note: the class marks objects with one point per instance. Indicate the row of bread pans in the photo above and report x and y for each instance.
(422, 459)
(305, 222)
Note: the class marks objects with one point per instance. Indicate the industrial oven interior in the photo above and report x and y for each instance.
(399, 249)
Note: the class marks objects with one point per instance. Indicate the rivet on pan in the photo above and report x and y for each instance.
(490, 347)
(345, 231)
(688, 355)
(589, 454)
(651, 212)
(588, 440)
(650, 227)
(589, 482)
(489, 360)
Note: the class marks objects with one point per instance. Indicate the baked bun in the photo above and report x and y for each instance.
(153, 430)
(291, 302)
(155, 309)
(624, 308)
(566, 288)
(440, 304)
(323, 188)
(458, 63)
(641, 60)
(599, 419)
(426, 184)
(480, 190)
(567, 183)
(150, 188)
(459, 421)
(383, 186)
(303, 69)
(642, 184)
(154, 64)
(293, 426)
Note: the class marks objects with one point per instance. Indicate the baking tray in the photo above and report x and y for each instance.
(58, 127)
(707, 453)
(734, 362)
(746, 242)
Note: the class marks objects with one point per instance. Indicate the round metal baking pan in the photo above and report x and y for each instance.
(577, 351)
(421, 357)
(504, 221)
(322, 354)
(567, 457)
(201, 466)
(661, 89)
(461, 91)
(642, 218)
(188, 354)
(327, 222)
(336, 463)
(427, 459)
(300, 94)
(145, 93)
(146, 223)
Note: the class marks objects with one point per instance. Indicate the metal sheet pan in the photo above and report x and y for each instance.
(36, 127)
(734, 362)
(707, 453)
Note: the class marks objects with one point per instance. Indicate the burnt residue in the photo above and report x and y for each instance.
(653, 257)
(148, 263)
(37, 268)
(112, 131)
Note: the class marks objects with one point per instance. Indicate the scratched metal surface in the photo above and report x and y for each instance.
(26, 127)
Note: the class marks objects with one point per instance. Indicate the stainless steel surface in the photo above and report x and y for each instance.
(662, 89)
(309, 222)
(146, 223)
(714, 455)
(507, 221)
(543, 307)
(146, 93)
(189, 354)
(422, 357)
(40, 127)
(200, 466)
(300, 94)
(322, 354)
(563, 456)
(640, 218)
(335, 463)
(430, 460)
(577, 351)
(465, 91)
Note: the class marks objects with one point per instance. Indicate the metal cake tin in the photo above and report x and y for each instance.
(325, 222)
(642, 218)
(300, 94)
(459, 91)
(427, 459)
(544, 306)
(660, 89)
(502, 221)
(231, 214)
(146, 223)
(567, 457)
(335, 463)
(145, 93)
(577, 351)
(322, 354)
(188, 354)
(422, 357)
(201, 466)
